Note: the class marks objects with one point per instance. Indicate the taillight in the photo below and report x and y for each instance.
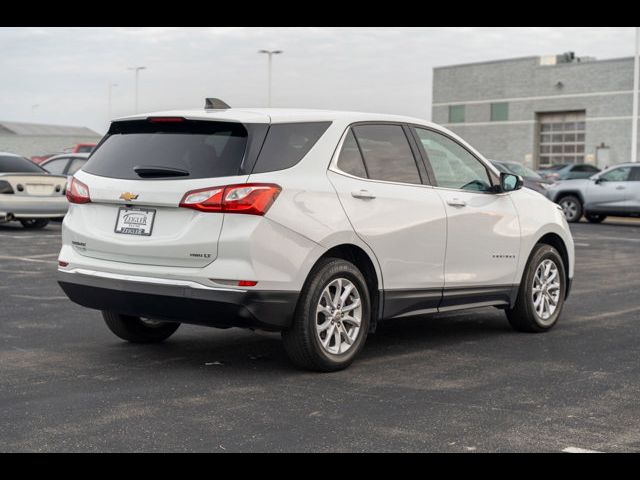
(248, 198)
(5, 187)
(78, 192)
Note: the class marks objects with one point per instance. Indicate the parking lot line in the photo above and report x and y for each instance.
(25, 259)
(579, 450)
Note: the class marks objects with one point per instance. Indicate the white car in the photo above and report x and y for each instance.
(317, 224)
(28, 193)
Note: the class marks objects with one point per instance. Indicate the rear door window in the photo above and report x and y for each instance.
(76, 164)
(56, 166)
(387, 154)
(287, 143)
(139, 149)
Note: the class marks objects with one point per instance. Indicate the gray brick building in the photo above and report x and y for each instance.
(540, 110)
(30, 139)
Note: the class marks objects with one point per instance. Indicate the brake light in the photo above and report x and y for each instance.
(78, 192)
(165, 119)
(247, 198)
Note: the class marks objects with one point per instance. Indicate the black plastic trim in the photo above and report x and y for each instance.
(266, 310)
(406, 303)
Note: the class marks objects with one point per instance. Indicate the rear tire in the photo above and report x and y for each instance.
(34, 223)
(138, 330)
(332, 318)
(529, 313)
(572, 208)
(595, 217)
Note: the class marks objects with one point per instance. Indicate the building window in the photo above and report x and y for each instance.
(456, 114)
(499, 112)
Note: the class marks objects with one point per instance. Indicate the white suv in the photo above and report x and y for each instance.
(317, 224)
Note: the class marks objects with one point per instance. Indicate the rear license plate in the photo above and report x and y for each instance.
(135, 221)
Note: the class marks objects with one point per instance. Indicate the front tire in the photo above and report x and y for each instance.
(34, 223)
(138, 330)
(332, 318)
(542, 292)
(572, 208)
(594, 217)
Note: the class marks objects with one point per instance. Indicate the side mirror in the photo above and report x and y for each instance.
(598, 180)
(510, 182)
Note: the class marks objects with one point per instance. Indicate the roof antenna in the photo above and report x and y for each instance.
(215, 104)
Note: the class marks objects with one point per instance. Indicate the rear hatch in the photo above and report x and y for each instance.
(137, 177)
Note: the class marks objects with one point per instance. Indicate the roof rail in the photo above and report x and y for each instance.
(215, 104)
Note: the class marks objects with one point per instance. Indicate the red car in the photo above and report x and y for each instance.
(78, 148)
(83, 148)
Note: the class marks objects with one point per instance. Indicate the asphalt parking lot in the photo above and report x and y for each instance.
(462, 382)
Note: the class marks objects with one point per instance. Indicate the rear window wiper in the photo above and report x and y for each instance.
(152, 171)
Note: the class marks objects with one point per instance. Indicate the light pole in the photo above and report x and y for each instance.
(135, 102)
(634, 119)
(270, 53)
(111, 85)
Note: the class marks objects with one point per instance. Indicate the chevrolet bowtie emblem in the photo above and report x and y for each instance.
(128, 196)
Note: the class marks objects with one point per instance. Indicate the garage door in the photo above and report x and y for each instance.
(561, 138)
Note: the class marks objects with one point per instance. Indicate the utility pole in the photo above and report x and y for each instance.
(111, 85)
(634, 119)
(137, 72)
(270, 53)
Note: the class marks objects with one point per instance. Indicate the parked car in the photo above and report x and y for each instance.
(531, 179)
(568, 171)
(38, 159)
(614, 191)
(65, 164)
(317, 224)
(28, 193)
(81, 148)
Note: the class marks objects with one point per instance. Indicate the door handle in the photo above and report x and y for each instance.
(363, 194)
(620, 187)
(456, 202)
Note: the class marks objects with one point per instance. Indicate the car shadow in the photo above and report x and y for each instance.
(240, 350)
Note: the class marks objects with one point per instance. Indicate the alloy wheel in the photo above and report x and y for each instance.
(338, 316)
(546, 290)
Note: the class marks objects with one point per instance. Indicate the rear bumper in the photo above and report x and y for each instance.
(215, 307)
(34, 207)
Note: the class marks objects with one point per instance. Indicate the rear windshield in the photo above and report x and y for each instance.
(11, 164)
(139, 149)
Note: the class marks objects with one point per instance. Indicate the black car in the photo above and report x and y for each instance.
(531, 179)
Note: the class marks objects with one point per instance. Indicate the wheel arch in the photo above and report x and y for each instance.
(570, 193)
(554, 240)
(369, 268)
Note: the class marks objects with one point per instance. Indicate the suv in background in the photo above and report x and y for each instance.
(568, 171)
(316, 224)
(614, 191)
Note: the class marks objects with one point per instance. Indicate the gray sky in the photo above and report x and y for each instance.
(66, 70)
